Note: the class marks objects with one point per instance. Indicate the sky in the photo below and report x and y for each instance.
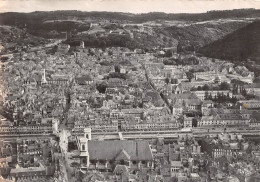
(132, 6)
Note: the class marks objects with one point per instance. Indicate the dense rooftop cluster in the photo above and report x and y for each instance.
(78, 113)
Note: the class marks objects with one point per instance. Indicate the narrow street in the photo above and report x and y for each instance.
(64, 149)
(147, 79)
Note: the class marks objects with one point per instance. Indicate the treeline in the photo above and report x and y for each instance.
(210, 15)
(111, 40)
(36, 25)
(56, 29)
(206, 87)
(184, 61)
(13, 18)
(193, 37)
(220, 98)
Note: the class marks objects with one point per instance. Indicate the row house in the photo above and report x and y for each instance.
(208, 121)
(29, 147)
(39, 80)
(249, 104)
(46, 128)
(32, 173)
(189, 105)
(224, 120)
(253, 88)
(138, 113)
(111, 127)
(228, 151)
(26, 130)
(214, 93)
(187, 122)
(157, 79)
(59, 80)
(254, 123)
(151, 65)
(104, 125)
(204, 74)
(149, 126)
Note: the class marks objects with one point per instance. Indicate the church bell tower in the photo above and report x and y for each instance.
(84, 155)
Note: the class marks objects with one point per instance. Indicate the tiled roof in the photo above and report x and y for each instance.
(132, 111)
(230, 116)
(60, 77)
(176, 164)
(109, 150)
(207, 118)
(183, 96)
(123, 155)
(208, 102)
(83, 79)
(193, 102)
(27, 170)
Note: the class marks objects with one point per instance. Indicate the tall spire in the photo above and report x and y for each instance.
(217, 78)
(44, 77)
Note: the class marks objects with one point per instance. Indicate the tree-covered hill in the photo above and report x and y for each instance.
(240, 45)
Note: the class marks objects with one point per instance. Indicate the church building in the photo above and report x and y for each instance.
(106, 155)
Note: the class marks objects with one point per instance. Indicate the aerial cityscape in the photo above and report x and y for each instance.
(122, 97)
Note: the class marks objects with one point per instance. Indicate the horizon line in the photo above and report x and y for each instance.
(204, 12)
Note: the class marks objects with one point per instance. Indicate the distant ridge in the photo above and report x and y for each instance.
(186, 32)
(10, 18)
